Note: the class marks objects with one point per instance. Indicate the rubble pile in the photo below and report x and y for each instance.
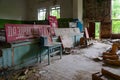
(29, 73)
(111, 57)
(105, 75)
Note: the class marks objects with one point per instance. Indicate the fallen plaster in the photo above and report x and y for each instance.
(78, 65)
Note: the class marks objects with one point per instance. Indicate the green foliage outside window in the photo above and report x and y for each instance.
(55, 11)
(116, 26)
(97, 30)
(116, 16)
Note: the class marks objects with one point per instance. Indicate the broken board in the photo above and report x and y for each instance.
(67, 36)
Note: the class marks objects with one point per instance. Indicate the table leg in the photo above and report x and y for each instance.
(75, 41)
(48, 56)
(61, 52)
(40, 57)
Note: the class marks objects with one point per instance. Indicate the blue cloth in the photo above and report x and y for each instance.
(79, 24)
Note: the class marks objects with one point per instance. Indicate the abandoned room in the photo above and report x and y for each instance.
(59, 39)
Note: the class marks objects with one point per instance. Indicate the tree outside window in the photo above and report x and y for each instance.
(55, 11)
(115, 16)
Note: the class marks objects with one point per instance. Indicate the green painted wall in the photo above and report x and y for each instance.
(62, 23)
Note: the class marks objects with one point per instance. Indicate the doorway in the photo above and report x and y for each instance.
(91, 30)
(97, 30)
(94, 30)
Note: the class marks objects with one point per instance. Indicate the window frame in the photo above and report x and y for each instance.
(114, 19)
(44, 10)
(58, 10)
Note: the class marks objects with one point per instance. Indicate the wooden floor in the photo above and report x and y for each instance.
(79, 65)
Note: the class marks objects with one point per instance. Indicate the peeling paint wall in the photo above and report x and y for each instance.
(34, 5)
(98, 10)
(78, 10)
(12, 9)
(106, 29)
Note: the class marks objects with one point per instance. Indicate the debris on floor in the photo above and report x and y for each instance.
(97, 59)
(28, 73)
(105, 75)
(80, 64)
(112, 62)
(111, 57)
(67, 50)
(82, 75)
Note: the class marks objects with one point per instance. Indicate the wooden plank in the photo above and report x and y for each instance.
(67, 41)
(86, 33)
(67, 31)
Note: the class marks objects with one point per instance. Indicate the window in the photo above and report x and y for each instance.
(42, 14)
(55, 11)
(116, 16)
